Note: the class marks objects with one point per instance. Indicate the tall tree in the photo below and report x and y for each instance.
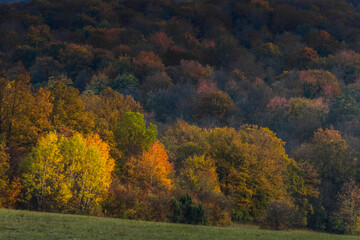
(333, 159)
(24, 113)
(252, 167)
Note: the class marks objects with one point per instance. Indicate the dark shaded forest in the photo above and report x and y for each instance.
(199, 112)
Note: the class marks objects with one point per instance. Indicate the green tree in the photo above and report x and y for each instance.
(132, 136)
(185, 211)
(123, 81)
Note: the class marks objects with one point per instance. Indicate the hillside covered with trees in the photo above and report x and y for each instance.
(199, 112)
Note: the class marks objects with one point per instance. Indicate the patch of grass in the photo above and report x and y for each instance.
(26, 225)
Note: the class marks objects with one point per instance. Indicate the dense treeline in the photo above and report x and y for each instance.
(179, 110)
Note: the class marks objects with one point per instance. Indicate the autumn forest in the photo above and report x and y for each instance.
(200, 112)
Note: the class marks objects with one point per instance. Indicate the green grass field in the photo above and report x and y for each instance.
(46, 226)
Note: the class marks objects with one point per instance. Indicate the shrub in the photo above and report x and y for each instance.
(185, 211)
(277, 216)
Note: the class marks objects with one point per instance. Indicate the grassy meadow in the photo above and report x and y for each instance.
(26, 225)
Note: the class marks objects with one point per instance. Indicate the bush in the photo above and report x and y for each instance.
(131, 202)
(185, 211)
(277, 216)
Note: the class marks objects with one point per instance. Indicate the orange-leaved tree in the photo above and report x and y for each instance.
(147, 188)
(151, 171)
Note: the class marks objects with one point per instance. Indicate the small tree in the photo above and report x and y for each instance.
(132, 135)
(348, 216)
(4, 168)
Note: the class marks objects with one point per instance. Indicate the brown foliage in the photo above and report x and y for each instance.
(322, 42)
(157, 81)
(217, 104)
(161, 39)
(303, 58)
(147, 63)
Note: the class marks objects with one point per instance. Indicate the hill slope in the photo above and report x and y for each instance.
(40, 226)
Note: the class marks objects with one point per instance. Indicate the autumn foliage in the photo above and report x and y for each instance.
(152, 170)
(199, 112)
(70, 174)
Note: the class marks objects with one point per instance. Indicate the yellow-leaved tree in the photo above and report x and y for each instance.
(69, 174)
(199, 175)
(4, 179)
(252, 167)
